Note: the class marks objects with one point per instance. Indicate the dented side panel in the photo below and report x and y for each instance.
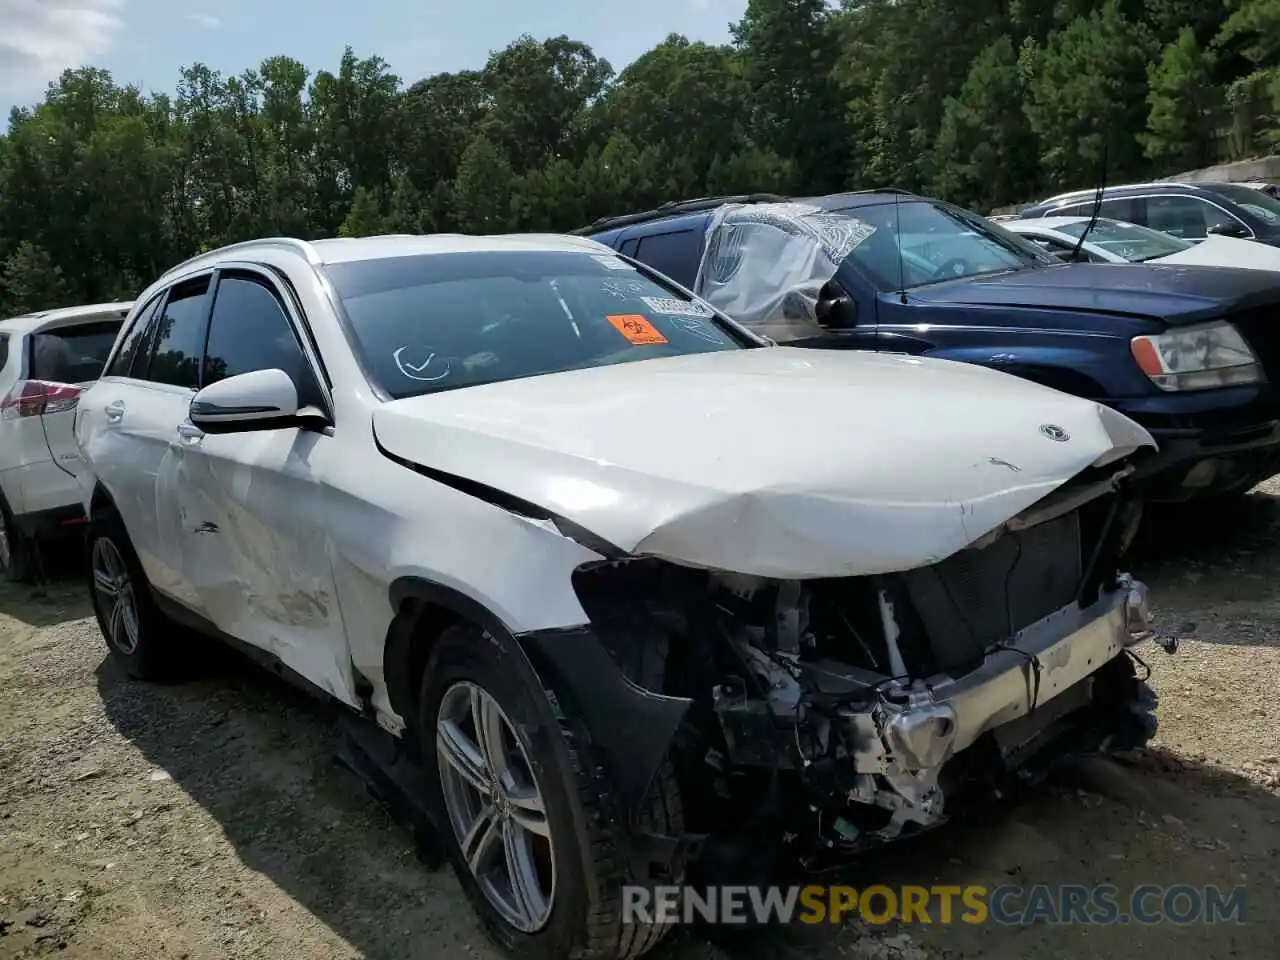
(255, 555)
(294, 543)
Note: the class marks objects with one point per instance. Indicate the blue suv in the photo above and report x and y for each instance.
(1191, 353)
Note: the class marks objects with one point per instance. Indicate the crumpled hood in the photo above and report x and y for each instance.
(1175, 293)
(776, 461)
(1228, 252)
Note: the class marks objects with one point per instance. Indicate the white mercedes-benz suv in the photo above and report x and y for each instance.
(614, 590)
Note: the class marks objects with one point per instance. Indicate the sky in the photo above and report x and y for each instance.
(145, 42)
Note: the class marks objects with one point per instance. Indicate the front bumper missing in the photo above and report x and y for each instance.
(896, 738)
(902, 742)
(923, 725)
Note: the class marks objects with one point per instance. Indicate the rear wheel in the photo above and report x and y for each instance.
(137, 633)
(16, 559)
(533, 839)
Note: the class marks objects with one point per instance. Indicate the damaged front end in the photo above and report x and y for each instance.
(841, 713)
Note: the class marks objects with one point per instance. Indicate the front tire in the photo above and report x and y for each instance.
(545, 880)
(137, 633)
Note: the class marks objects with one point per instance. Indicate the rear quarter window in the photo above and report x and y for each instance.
(675, 254)
(72, 354)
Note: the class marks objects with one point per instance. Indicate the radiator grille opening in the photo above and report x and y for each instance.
(977, 598)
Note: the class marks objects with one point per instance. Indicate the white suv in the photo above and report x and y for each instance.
(46, 361)
(624, 586)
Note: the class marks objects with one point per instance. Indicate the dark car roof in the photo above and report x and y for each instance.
(1073, 197)
(685, 213)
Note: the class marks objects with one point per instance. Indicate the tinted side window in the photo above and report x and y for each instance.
(628, 248)
(250, 331)
(1117, 208)
(674, 254)
(123, 361)
(178, 342)
(1186, 217)
(4, 349)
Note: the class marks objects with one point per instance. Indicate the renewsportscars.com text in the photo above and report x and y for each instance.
(1008, 905)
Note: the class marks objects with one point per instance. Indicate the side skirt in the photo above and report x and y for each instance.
(376, 757)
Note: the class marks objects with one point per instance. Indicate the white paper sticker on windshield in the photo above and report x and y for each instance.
(612, 263)
(676, 308)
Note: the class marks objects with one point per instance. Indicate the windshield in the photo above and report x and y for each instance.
(1260, 204)
(440, 321)
(1127, 240)
(915, 243)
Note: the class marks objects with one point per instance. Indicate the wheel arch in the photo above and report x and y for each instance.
(424, 610)
(101, 500)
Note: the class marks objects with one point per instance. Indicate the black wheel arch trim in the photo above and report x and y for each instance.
(631, 728)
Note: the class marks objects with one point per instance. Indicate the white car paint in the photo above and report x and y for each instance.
(770, 460)
(784, 463)
(38, 452)
(1213, 251)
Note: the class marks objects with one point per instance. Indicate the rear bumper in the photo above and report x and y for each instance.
(39, 487)
(51, 523)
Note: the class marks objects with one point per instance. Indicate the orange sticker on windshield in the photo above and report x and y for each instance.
(636, 328)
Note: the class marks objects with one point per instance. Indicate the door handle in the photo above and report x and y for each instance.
(114, 411)
(189, 433)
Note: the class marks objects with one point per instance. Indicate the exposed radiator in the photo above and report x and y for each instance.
(979, 597)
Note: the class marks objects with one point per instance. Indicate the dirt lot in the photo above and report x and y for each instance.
(209, 820)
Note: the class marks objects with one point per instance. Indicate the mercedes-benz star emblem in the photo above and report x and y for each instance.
(1054, 432)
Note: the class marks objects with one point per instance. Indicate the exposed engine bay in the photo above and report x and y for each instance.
(880, 696)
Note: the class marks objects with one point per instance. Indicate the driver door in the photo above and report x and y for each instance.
(256, 549)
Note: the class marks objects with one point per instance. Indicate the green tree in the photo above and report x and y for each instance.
(30, 280)
(365, 219)
(986, 151)
(790, 49)
(1088, 91)
(1185, 106)
(482, 191)
(538, 91)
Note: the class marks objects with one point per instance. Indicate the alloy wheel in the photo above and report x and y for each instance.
(114, 593)
(495, 806)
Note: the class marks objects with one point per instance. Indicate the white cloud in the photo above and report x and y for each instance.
(206, 20)
(41, 38)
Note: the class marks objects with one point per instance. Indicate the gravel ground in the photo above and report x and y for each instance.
(209, 820)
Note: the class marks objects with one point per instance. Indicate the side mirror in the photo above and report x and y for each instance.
(260, 400)
(1229, 229)
(836, 312)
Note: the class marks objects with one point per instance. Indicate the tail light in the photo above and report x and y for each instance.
(33, 398)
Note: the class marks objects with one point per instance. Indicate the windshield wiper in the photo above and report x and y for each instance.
(1097, 207)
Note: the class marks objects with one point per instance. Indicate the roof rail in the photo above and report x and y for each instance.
(288, 243)
(672, 207)
(1089, 191)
